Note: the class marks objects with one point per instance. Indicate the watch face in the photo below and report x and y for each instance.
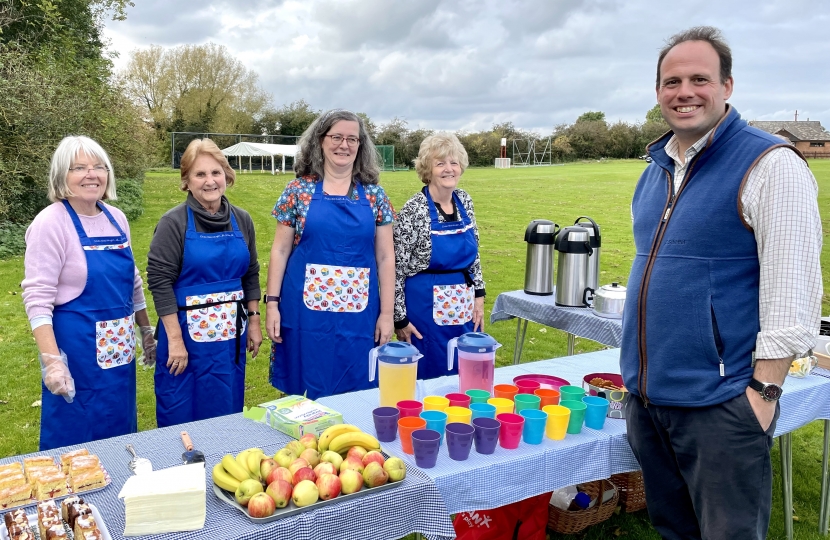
(771, 392)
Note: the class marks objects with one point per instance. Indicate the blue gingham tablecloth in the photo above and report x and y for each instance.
(414, 505)
(580, 322)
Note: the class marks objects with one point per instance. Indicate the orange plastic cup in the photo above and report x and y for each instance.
(506, 391)
(405, 428)
(548, 396)
(502, 405)
(436, 403)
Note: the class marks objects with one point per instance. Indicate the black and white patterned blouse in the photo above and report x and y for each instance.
(413, 247)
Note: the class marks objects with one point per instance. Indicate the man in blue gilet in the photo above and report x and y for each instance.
(724, 292)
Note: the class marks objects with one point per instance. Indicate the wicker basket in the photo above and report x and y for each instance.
(570, 522)
(632, 490)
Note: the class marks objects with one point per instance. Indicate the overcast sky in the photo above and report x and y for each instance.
(464, 64)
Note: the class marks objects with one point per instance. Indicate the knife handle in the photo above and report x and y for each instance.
(188, 444)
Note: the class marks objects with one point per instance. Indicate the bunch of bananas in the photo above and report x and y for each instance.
(231, 471)
(339, 438)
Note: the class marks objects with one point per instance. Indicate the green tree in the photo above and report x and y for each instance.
(591, 116)
(654, 114)
(295, 117)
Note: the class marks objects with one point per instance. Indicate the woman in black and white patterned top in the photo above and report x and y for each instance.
(439, 289)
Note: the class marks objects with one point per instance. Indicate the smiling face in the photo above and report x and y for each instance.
(446, 172)
(341, 155)
(691, 95)
(87, 186)
(206, 181)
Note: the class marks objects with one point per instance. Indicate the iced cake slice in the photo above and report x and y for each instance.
(66, 504)
(84, 524)
(67, 457)
(87, 479)
(50, 485)
(12, 480)
(15, 496)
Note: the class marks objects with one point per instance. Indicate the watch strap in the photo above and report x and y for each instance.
(267, 299)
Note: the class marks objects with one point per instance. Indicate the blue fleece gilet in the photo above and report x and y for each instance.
(690, 344)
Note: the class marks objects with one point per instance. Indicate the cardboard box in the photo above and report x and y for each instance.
(295, 415)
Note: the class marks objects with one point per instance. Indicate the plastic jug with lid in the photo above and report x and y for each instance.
(476, 360)
(397, 367)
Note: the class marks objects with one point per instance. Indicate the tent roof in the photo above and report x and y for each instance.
(260, 149)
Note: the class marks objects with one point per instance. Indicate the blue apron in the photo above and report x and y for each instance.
(440, 300)
(100, 320)
(330, 300)
(210, 299)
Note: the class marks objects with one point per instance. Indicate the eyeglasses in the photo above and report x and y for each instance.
(338, 139)
(99, 170)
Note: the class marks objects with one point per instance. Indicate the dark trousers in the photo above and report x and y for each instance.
(706, 470)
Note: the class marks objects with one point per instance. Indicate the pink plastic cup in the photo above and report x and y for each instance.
(410, 407)
(458, 400)
(510, 432)
(526, 386)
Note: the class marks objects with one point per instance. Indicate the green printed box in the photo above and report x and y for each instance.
(295, 415)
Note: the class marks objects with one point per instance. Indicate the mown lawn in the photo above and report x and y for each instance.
(506, 201)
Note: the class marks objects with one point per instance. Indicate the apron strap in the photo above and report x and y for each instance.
(241, 316)
(79, 228)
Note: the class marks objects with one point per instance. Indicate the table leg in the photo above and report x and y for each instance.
(824, 513)
(419, 536)
(521, 330)
(785, 447)
(571, 341)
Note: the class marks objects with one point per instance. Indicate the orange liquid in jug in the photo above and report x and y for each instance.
(396, 382)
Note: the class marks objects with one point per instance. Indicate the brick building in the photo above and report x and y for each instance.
(808, 136)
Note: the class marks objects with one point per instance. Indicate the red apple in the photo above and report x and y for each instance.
(261, 505)
(352, 463)
(280, 473)
(309, 440)
(304, 473)
(280, 490)
(311, 455)
(357, 451)
(298, 463)
(328, 485)
(375, 456)
(396, 469)
(332, 457)
(305, 493)
(266, 466)
(374, 475)
(351, 481)
(324, 468)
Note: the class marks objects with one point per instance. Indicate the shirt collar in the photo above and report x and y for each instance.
(691, 152)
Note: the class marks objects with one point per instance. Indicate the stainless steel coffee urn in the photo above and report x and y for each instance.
(596, 242)
(540, 235)
(574, 249)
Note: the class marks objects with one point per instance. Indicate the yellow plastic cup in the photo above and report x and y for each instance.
(502, 405)
(557, 423)
(436, 403)
(458, 414)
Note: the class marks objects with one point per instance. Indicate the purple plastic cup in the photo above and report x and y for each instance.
(425, 447)
(459, 440)
(386, 423)
(486, 435)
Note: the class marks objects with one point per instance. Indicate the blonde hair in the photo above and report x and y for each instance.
(64, 157)
(440, 145)
(198, 147)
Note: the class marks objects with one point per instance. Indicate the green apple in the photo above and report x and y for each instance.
(396, 469)
(246, 490)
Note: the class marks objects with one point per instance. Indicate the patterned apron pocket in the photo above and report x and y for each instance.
(215, 322)
(452, 304)
(115, 342)
(342, 289)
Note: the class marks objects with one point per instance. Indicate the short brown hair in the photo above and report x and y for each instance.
(710, 35)
(441, 145)
(198, 147)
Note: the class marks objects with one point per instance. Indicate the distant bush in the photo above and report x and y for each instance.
(130, 198)
(12, 242)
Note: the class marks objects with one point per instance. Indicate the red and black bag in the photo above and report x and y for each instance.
(523, 520)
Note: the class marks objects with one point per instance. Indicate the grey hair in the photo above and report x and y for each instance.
(440, 145)
(64, 157)
(710, 35)
(310, 158)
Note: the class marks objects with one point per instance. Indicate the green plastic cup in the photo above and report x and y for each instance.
(526, 401)
(478, 396)
(577, 415)
(571, 393)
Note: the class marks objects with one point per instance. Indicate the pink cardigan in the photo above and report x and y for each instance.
(55, 263)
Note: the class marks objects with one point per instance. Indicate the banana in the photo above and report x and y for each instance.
(253, 460)
(345, 441)
(324, 442)
(224, 480)
(234, 469)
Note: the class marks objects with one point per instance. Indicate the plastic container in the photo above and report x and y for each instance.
(397, 369)
(476, 360)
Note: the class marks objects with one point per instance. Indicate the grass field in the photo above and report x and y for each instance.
(506, 201)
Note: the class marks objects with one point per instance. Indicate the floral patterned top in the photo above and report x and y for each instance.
(292, 206)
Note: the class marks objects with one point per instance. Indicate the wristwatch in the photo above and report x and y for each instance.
(267, 299)
(768, 391)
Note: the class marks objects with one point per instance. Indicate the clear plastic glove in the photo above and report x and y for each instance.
(148, 345)
(55, 373)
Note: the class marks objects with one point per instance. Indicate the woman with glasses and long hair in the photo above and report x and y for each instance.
(331, 278)
(83, 296)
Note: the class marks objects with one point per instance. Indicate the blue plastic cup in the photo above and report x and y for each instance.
(596, 412)
(436, 421)
(535, 421)
(482, 410)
